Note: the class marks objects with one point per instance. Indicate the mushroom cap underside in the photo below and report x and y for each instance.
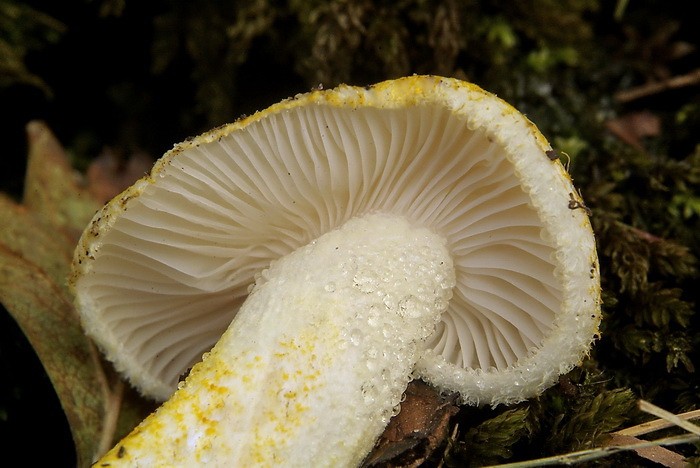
(162, 269)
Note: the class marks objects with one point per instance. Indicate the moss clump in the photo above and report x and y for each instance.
(576, 414)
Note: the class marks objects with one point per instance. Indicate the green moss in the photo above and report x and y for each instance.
(492, 440)
(576, 414)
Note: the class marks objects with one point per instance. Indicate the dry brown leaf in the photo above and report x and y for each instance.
(26, 234)
(109, 174)
(36, 247)
(52, 189)
(48, 320)
(420, 427)
(657, 454)
(632, 128)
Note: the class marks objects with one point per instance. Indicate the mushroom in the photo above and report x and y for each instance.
(334, 247)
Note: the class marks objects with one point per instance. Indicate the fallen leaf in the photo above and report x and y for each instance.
(36, 248)
(29, 236)
(48, 320)
(52, 189)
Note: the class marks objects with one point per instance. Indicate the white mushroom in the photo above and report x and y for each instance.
(415, 228)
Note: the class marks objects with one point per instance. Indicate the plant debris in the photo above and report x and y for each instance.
(417, 431)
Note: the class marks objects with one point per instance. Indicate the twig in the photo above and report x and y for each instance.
(632, 94)
(655, 425)
(111, 417)
(663, 456)
(670, 417)
(594, 454)
(657, 454)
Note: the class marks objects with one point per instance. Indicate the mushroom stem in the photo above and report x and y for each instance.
(316, 360)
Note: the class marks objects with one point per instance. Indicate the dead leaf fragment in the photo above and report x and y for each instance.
(110, 173)
(657, 454)
(49, 322)
(26, 235)
(52, 188)
(632, 128)
(37, 240)
(420, 427)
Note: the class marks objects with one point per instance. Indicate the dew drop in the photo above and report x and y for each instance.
(389, 302)
(356, 336)
(364, 283)
(408, 307)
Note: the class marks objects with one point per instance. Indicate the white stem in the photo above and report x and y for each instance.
(316, 361)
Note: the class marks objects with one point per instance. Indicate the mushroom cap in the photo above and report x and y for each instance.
(162, 269)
